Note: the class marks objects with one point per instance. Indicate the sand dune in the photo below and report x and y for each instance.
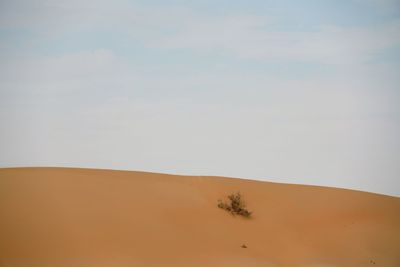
(60, 217)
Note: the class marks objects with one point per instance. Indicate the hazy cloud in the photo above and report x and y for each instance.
(251, 38)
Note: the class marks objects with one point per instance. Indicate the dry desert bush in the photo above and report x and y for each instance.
(236, 205)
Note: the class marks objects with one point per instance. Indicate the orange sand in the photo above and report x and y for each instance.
(60, 217)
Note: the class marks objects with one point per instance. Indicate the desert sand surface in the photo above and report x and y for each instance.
(65, 217)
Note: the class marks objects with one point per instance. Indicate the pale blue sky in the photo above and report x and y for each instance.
(286, 91)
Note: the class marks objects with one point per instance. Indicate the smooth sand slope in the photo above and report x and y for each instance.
(59, 217)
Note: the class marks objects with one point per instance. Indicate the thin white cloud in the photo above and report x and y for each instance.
(242, 36)
(251, 38)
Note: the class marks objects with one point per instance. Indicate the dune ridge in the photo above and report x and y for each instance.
(72, 217)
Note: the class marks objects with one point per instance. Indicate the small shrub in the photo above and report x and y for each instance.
(237, 206)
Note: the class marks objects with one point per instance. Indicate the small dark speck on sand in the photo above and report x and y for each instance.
(244, 246)
(372, 262)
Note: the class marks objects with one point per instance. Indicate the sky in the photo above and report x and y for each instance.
(303, 92)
